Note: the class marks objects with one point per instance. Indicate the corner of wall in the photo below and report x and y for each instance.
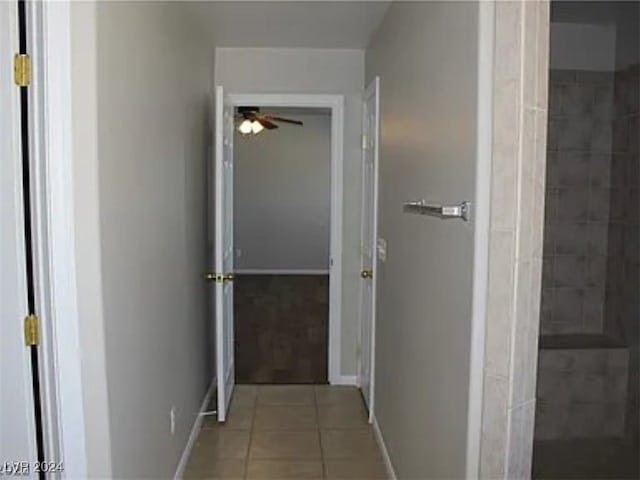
(517, 214)
(87, 238)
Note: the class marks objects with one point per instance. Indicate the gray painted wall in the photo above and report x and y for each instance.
(282, 195)
(140, 130)
(426, 56)
(87, 238)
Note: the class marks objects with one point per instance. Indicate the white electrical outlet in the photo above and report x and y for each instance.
(172, 419)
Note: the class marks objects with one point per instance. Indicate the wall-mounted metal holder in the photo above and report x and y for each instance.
(422, 207)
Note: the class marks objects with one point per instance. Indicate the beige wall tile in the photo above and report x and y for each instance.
(505, 155)
(494, 426)
(504, 188)
(521, 389)
(542, 72)
(539, 183)
(508, 40)
(525, 225)
(530, 54)
(516, 244)
(520, 446)
(499, 311)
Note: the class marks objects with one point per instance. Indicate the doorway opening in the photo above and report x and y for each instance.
(246, 109)
(282, 232)
(222, 234)
(587, 422)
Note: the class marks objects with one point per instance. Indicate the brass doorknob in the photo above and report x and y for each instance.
(229, 277)
(367, 274)
(209, 276)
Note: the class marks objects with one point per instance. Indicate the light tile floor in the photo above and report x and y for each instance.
(289, 432)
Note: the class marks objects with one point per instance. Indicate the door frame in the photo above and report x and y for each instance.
(54, 224)
(336, 104)
(22, 375)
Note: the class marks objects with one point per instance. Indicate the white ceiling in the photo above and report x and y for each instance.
(290, 24)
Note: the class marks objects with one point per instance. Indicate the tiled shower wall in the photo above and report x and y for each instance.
(623, 271)
(591, 273)
(622, 311)
(577, 201)
(582, 393)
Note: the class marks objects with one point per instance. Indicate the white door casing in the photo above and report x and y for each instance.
(17, 423)
(368, 240)
(223, 250)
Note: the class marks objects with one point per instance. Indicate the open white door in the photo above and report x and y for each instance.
(368, 240)
(223, 251)
(17, 422)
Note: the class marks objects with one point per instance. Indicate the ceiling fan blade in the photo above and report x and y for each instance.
(285, 120)
(266, 123)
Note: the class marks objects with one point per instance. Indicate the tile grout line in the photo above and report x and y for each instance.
(252, 431)
(253, 419)
(315, 403)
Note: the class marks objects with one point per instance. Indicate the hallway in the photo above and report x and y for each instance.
(122, 291)
(289, 432)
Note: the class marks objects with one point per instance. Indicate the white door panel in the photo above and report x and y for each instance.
(223, 251)
(368, 241)
(17, 423)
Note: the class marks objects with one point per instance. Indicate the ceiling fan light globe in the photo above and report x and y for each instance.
(256, 127)
(245, 127)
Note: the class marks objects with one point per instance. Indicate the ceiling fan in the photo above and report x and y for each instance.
(252, 121)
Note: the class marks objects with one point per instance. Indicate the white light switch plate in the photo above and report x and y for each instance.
(382, 249)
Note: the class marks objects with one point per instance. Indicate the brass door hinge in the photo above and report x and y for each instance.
(31, 330)
(22, 69)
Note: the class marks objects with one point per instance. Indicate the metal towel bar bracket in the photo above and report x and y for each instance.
(422, 207)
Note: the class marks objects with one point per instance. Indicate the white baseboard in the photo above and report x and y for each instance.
(346, 380)
(195, 431)
(391, 473)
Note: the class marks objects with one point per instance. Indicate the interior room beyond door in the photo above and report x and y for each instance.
(283, 227)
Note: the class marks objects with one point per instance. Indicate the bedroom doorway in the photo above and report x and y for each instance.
(282, 227)
(229, 119)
